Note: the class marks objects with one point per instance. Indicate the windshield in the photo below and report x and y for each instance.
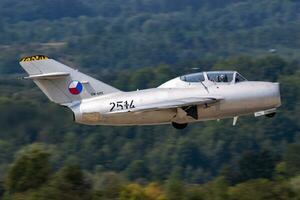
(239, 78)
(196, 77)
(221, 77)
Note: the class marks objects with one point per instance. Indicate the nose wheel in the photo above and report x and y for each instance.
(179, 126)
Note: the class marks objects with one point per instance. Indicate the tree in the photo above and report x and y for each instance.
(257, 165)
(108, 186)
(213, 190)
(155, 192)
(2, 189)
(137, 169)
(133, 192)
(175, 189)
(260, 189)
(295, 185)
(251, 165)
(30, 170)
(292, 159)
(189, 155)
(70, 183)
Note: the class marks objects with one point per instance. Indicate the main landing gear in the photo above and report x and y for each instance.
(179, 126)
(270, 115)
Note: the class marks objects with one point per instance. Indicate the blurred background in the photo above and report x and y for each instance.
(136, 44)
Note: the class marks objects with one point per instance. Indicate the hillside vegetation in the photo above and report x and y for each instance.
(136, 44)
(259, 152)
(140, 33)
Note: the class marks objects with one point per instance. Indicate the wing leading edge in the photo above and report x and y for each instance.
(175, 103)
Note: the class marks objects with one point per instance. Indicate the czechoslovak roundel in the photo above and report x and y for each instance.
(75, 87)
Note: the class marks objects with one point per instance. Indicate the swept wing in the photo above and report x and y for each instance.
(174, 103)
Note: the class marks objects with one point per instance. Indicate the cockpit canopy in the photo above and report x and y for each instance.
(214, 76)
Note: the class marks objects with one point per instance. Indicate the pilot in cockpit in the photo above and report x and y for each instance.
(222, 78)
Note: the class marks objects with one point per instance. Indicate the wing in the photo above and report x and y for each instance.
(174, 103)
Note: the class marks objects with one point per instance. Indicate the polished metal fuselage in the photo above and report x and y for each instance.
(236, 99)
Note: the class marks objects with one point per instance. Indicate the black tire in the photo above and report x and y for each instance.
(179, 126)
(271, 115)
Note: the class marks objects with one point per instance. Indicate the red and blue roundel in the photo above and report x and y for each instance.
(75, 87)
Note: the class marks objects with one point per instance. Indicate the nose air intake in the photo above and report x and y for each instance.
(277, 96)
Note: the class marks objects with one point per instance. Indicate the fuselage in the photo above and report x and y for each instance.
(237, 99)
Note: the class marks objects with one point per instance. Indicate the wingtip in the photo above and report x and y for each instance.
(34, 58)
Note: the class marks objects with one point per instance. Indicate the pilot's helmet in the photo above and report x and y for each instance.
(223, 78)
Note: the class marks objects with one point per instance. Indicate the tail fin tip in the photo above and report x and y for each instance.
(33, 58)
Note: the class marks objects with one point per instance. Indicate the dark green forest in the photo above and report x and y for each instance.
(136, 44)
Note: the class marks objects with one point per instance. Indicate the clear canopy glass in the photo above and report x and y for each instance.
(224, 77)
(196, 77)
(214, 76)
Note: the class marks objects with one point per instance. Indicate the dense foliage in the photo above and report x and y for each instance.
(69, 182)
(134, 44)
(139, 33)
(261, 149)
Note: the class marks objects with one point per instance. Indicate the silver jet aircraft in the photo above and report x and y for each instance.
(186, 99)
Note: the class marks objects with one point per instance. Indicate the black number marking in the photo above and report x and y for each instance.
(113, 106)
(126, 104)
(121, 105)
(131, 104)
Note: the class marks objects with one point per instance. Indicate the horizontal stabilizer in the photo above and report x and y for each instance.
(53, 75)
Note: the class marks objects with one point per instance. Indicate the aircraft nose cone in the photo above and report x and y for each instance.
(276, 94)
(272, 93)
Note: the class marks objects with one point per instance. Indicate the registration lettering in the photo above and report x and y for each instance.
(121, 105)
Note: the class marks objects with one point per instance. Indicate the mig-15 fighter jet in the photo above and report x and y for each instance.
(211, 95)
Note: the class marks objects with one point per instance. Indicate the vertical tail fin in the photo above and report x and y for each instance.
(62, 84)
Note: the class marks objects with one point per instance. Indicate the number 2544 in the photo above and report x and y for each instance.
(121, 105)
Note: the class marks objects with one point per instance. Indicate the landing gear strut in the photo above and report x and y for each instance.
(179, 126)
